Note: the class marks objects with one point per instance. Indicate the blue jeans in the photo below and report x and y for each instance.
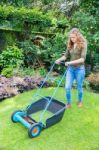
(77, 73)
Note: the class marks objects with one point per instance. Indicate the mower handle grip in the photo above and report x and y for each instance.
(61, 63)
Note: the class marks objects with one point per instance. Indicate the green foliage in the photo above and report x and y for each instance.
(24, 71)
(30, 52)
(8, 72)
(50, 50)
(22, 18)
(86, 20)
(2, 41)
(86, 84)
(87, 24)
(46, 2)
(42, 71)
(29, 71)
(62, 22)
(53, 48)
(55, 81)
(9, 38)
(10, 59)
(12, 56)
(18, 3)
(15, 18)
(91, 7)
(96, 59)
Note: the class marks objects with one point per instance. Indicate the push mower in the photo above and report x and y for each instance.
(44, 104)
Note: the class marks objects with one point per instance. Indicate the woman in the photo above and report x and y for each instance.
(76, 52)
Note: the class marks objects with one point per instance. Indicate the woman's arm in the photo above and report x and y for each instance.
(74, 62)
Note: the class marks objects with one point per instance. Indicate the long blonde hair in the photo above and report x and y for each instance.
(81, 41)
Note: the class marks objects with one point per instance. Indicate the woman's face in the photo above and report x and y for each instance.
(73, 38)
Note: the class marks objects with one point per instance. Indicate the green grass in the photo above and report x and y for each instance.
(78, 130)
(36, 116)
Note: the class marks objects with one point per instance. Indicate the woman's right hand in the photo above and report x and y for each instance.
(57, 61)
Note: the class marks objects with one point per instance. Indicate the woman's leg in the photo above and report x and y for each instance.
(79, 75)
(68, 84)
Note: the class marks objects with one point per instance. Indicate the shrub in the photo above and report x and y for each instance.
(23, 71)
(8, 72)
(94, 81)
(54, 81)
(30, 52)
(10, 58)
(41, 71)
(15, 18)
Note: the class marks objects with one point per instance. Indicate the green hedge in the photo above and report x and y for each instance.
(13, 17)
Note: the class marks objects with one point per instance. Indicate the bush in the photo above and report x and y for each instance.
(15, 18)
(94, 81)
(53, 48)
(10, 58)
(30, 52)
(8, 72)
(23, 71)
(86, 19)
(54, 81)
(42, 71)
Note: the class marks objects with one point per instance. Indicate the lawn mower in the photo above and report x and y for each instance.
(43, 104)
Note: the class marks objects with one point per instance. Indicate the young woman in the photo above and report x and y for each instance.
(76, 52)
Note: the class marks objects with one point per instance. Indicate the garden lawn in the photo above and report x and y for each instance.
(78, 130)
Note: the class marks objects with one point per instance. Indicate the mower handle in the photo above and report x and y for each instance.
(61, 63)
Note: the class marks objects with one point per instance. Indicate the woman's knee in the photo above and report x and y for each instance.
(80, 89)
(68, 89)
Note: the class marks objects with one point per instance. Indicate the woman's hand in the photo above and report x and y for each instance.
(57, 61)
(67, 64)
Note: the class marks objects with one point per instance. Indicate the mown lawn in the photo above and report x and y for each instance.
(78, 130)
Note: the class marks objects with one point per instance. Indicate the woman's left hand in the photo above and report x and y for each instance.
(67, 64)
